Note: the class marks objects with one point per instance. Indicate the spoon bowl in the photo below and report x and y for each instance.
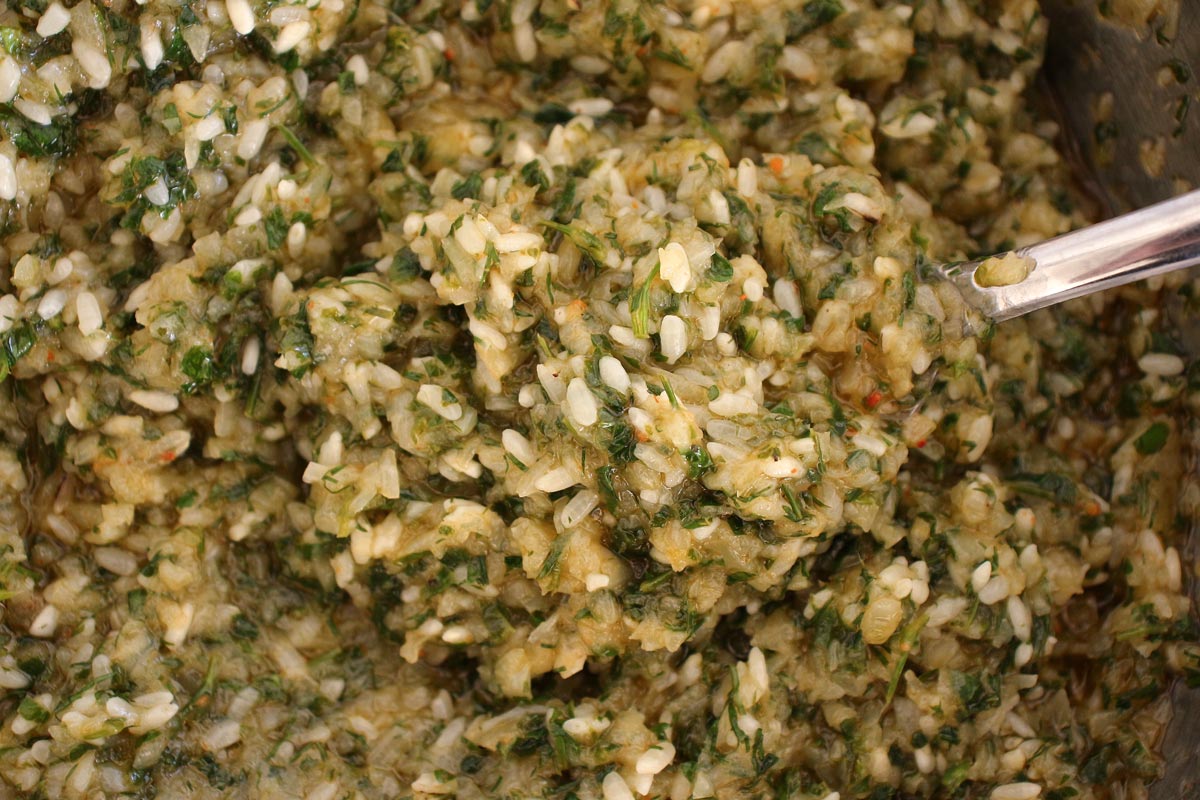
(1157, 239)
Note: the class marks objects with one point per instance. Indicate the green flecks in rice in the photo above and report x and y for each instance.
(530, 400)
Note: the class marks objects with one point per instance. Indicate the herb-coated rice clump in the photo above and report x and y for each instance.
(554, 398)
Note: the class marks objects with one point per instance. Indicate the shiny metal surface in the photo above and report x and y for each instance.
(1128, 98)
(1120, 250)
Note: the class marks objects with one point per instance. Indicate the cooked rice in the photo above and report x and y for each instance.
(555, 399)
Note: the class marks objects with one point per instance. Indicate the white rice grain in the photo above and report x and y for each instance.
(590, 106)
(555, 480)
(730, 404)
(995, 590)
(525, 42)
(45, 623)
(673, 336)
(710, 322)
(8, 178)
(292, 34)
(359, 69)
(177, 619)
(63, 267)
(94, 62)
(209, 128)
(720, 208)
(581, 404)
(673, 266)
(223, 734)
(798, 63)
(1020, 726)
(872, 444)
(747, 178)
(1174, 569)
(518, 446)
(162, 231)
(13, 678)
(457, 634)
(702, 787)
(151, 44)
(249, 215)
(722, 61)
(579, 507)
(10, 78)
(522, 11)
(865, 207)
(470, 237)
(1020, 618)
(433, 397)
(54, 20)
(331, 450)
(614, 787)
(297, 238)
(1164, 365)
(1016, 791)
(157, 193)
(63, 528)
(241, 16)
(757, 662)
(87, 312)
(517, 241)
(81, 774)
(158, 402)
(787, 297)
(116, 560)
(429, 783)
(782, 468)
(52, 303)
(613, 374)
(253, 134)
(589, 64)
(155, 709)
(250, 354)
(656, 759)
(34, 112)
(981, 575)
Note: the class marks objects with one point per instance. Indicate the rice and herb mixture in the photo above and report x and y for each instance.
(553, 398)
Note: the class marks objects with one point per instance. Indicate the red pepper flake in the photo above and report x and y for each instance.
(50, 356)
(448, 53)
(921, 443)
(874, 398)
(167, 457)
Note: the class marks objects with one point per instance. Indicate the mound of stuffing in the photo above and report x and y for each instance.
(556, 399)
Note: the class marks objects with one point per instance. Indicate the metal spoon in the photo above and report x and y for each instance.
(1160, 238)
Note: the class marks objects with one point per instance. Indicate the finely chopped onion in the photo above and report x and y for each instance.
(553, 399)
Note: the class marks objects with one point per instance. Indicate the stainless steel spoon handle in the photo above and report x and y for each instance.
(1124, 249)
